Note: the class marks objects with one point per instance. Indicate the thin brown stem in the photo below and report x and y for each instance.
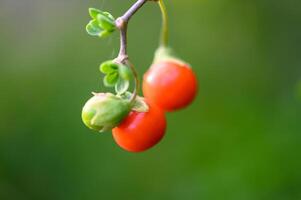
(133, 10)
(122, 56)
(122, 25)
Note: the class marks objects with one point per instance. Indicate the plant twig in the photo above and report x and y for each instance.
(122, 25)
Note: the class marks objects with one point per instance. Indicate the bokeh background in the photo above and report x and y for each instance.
(239, 140)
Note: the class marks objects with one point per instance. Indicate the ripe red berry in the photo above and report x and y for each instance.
(140, 131)
(170, 84)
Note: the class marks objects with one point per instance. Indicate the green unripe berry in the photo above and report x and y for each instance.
(105, 111)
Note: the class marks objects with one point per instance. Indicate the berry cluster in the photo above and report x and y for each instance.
(137, 123)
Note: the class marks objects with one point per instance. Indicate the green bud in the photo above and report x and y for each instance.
(93, 28)
(105, 111)
(102, 23)
(116, 74)
(125, 72)
(94, 12)
(108, 67)
(106, 23)
(122, 86)
(111, 79)
(109, 15)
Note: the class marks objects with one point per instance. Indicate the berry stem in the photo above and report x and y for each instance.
(122, 25)
(137, 82)
(164, 31)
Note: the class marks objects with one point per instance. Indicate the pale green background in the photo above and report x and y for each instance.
(239, 140)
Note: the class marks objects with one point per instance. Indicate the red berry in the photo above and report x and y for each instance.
(170, 84)
(140, 131)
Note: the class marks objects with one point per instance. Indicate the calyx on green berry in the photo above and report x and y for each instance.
(116, 75)
(102, 23)
(139, 104)
(104, 111)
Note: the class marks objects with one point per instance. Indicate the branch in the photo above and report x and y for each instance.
(122, 25)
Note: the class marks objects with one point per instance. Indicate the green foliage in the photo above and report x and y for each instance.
(111, 79)
(122, 85)
(102, 23)
(116, 75)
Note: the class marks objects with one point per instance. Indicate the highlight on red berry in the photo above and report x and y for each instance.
(170, 84)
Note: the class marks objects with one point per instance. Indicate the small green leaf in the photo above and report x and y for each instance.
(94, 12)
(140, 105)
(125, 72)
(104, 34)
(109, 15)
(102, 23)
(108, 67)
(93, 29)
(122, 86)
(95, 23)
(111, 79)
(106, 23)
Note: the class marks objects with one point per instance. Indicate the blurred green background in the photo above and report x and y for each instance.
(239, 140)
